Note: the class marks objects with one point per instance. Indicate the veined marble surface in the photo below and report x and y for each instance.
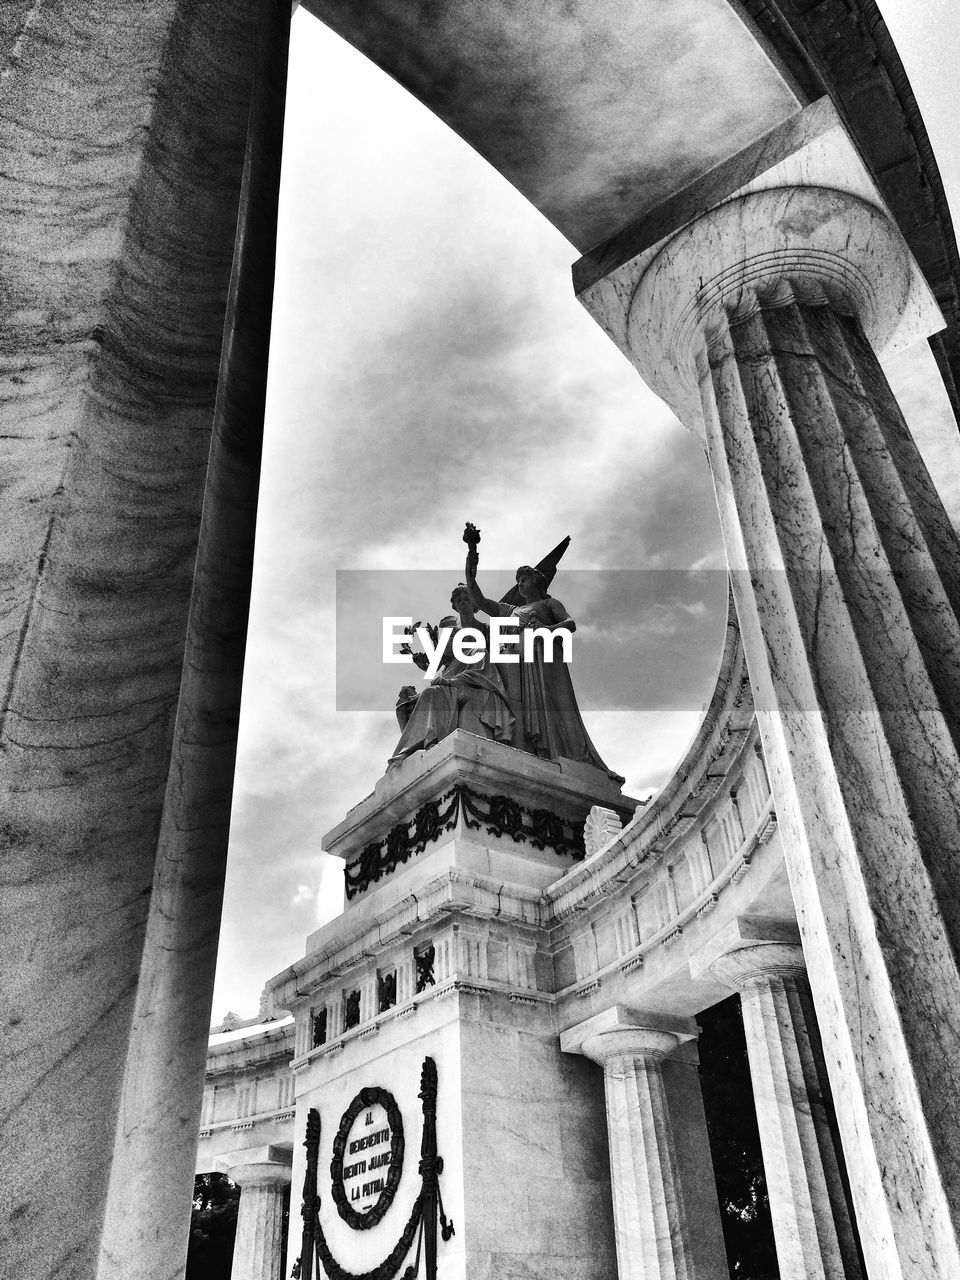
(122, 142)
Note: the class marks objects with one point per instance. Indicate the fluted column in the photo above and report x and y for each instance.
(665, 1215)
(808, 1204)
(259, 1238)
(759, 320)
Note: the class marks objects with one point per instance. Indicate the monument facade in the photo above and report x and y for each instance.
(762, 223)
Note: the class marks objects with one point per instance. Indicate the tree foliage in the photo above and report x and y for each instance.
(213, 1226)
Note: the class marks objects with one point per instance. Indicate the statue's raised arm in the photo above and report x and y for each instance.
(471, 536)
(527, 703)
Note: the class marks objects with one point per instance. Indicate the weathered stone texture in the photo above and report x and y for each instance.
(121, 145)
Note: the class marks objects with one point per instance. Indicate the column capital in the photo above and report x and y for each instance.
(763, 250)
(620, 1032)
(812, 225)
(761, 960)
(750, 948)
(260, 1166)
(260, 1175)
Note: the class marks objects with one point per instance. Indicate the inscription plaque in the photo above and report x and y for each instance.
(367, 1158)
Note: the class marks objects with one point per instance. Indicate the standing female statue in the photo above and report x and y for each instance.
(541, 691)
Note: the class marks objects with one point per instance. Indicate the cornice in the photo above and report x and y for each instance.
(271, 1044)
(454, 892)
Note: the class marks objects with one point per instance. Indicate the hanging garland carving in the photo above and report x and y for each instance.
(427, 1212)
(539, 827)
(500, 815)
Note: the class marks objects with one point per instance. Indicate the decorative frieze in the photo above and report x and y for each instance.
(403, 841)
(497, 815)
(471, 953)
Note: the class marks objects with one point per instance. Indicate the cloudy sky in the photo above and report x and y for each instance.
(430, 365)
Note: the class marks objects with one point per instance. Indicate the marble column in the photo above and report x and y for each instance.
(122, 142)
(259, 1238)
(665, 1210)
(805, 1182)
(760, 320)
(151, 1177)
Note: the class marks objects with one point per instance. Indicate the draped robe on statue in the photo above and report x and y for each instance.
(464, 696)
(541, 692)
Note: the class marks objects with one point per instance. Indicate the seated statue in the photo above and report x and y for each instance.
(462, 696)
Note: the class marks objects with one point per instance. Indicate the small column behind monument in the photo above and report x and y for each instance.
(665, 1206)
(259, 1239)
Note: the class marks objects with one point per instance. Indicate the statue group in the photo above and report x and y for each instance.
(527, 704)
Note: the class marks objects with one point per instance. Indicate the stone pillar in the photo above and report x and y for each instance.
(126, 533)
(665, 1213)
(808, 1202)
(259, 1238)
(759, 320)
(151, 1175)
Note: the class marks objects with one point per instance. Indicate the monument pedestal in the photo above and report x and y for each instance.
(442, 953)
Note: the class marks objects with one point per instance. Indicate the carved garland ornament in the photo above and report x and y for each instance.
(501, 816)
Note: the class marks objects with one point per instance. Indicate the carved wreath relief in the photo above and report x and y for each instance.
(362, 1198)
(367, 1158)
